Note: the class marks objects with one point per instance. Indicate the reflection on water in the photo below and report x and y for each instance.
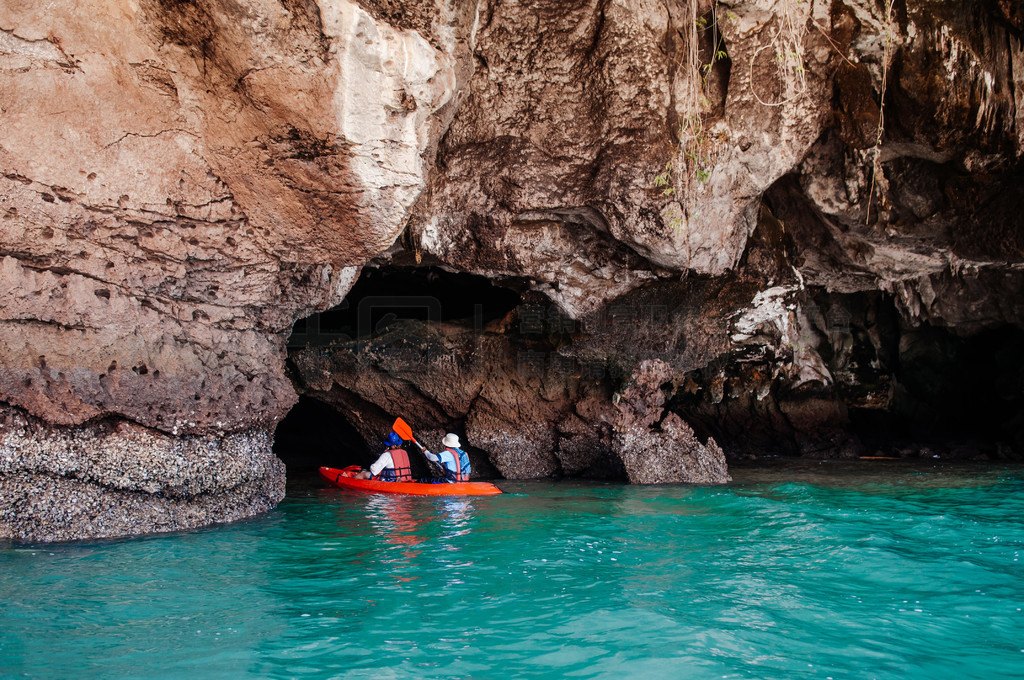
(814, 571)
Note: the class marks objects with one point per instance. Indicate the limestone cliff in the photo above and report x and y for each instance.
(805, 212)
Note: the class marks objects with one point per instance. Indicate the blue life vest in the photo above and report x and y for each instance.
(458, 469)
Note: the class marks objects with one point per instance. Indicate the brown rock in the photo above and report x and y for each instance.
(182, 181)
(658, 450)
(529, 420)
(250, 155)
(670, 454)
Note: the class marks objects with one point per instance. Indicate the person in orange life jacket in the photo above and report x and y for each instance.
(392, 465)
(454, 460)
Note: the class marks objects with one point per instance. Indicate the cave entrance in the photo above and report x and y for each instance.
(383, 295)
(316, 433)
(955, 392)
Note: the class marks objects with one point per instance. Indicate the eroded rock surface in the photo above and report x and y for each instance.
(548, 167)
(656, 449)
(526, 420)
(157, 242)
(116, 478)
(709, 184)
(182, 180)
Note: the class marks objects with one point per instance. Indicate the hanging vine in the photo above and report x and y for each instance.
(692, 161)
(877, 175)
(787, 43)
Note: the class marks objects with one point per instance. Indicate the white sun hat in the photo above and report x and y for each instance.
(451, 440)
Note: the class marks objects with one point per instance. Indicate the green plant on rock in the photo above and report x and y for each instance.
(673, 213)
(665, 181)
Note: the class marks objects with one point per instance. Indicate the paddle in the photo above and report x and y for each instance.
(403, 430)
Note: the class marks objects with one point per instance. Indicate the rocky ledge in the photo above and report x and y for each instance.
(110, 479)
(526, 419)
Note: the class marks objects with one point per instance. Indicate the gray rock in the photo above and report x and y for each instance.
(116, 478)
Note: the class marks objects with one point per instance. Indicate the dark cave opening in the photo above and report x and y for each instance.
(900, 388)
(383, 295)
(316, 433)
(954, 392)
(916, 385)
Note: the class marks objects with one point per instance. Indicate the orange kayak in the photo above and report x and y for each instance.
(345, 480)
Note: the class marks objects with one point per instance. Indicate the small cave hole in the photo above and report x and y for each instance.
(314, 434)
(954, 392)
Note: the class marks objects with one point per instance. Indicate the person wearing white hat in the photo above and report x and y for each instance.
(453, 459)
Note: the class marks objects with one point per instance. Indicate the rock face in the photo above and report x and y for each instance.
(248, 158)
(523, 419)
(712, 185)
(575, 117)
(181, 181)
(655, 449)
(529, 420)
(116, 478)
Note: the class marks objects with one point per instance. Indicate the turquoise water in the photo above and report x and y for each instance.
(872, 572)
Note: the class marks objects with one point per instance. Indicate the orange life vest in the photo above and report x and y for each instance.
(401, 470)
